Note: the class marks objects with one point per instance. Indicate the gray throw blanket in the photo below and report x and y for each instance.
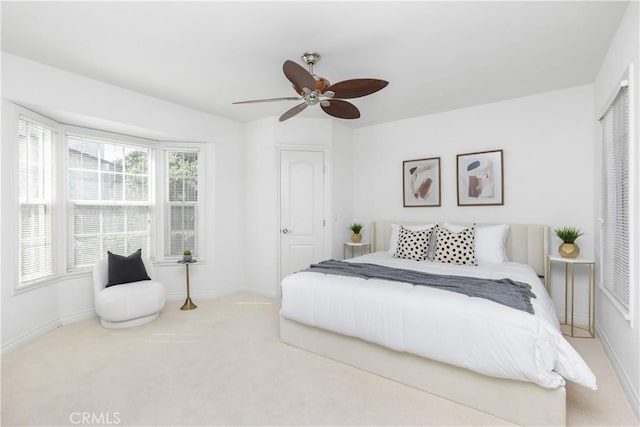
(503, 291)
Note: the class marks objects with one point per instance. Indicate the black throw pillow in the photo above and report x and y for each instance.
(126, 269)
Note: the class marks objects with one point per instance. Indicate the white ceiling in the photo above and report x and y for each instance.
(437, 56)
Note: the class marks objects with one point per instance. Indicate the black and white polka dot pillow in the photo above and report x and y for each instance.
(456, 248)
(413, 244)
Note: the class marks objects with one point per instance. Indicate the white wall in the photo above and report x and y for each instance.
(548, 164)
(342, 177)
(261, 204)
(620, 337)
(49, 89)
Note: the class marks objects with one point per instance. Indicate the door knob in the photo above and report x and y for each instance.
(286, 231)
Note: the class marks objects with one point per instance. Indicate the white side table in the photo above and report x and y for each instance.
(570, 279)
(365, 248)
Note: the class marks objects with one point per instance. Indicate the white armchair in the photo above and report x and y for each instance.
(129, 304)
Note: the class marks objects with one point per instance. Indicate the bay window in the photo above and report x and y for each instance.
(82, 192)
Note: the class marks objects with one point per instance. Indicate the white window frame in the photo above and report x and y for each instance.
(116, 139)
(630, 313)
(163, 195)
(10, 192)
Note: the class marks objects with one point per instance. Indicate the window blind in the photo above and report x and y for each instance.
(109, 191)
(615, 262)
(182, 202)
(35, 184)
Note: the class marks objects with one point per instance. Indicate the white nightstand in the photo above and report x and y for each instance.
(365, 248)
(570, 274)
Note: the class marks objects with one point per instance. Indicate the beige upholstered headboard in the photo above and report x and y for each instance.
(526, 243)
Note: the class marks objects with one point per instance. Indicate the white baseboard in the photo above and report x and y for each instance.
(631, 394)
(77, 317)
(47, 327)
(29, 336)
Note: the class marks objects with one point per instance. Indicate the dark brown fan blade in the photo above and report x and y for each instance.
(356, 88)
(254, 101)
(293, 111)
(298, 76)
(341, 109)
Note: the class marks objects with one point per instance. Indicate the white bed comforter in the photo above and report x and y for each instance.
(472, 333)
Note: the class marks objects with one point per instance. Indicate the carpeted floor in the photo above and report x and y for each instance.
(222, 364)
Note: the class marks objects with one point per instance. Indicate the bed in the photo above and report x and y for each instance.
(493, 358)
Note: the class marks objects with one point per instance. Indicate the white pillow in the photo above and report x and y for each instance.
(490, 242)
(454, 228)
(395, 234)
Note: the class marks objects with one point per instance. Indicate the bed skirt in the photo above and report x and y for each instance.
(516, 401)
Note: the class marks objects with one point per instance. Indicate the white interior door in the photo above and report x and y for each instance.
(301, 209)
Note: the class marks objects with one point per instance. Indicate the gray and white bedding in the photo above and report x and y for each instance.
(504, 291)
(473, 333)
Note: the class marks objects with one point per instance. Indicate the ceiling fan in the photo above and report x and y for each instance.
(313, 89)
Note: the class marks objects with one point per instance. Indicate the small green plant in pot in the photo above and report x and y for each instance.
(186, 255)
(568, 235)
(355, 228)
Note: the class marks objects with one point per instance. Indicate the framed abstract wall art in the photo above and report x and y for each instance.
(480, 179)
(421, 182)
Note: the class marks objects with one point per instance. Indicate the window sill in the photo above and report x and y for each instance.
(623, 311)
(41, 283)
(37, 284)
(79, 272)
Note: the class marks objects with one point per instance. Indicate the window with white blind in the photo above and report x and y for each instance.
(615, 236)
(110, 197)
(182, 202)
(35, 182)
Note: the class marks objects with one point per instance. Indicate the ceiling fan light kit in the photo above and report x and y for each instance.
(315, 89)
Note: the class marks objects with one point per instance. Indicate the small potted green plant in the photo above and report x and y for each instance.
(568, 235)
(355, 228)
(186, 255)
